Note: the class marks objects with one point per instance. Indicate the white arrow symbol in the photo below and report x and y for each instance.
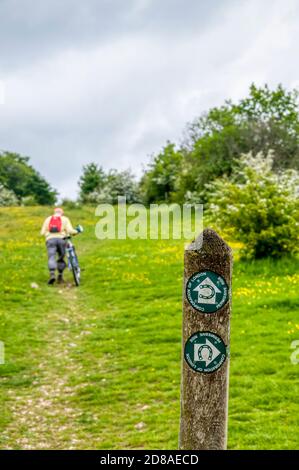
(206, 352)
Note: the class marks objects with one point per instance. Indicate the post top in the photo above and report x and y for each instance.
(209, 240)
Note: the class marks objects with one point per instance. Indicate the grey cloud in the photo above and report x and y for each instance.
(34, 29)
(111, 81)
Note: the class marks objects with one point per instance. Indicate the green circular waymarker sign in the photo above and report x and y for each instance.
(205, 352)
(207, 291)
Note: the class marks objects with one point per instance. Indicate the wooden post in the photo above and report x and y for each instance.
(205, 361)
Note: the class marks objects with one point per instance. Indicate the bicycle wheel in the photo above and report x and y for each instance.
(76, 270)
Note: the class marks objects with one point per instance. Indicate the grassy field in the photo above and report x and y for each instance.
(98, 367)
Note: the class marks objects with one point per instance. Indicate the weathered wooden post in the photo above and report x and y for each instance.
(205, 362)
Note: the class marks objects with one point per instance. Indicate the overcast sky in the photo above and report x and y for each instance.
(111, 80)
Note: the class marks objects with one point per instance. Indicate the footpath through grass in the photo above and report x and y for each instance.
(98, 367)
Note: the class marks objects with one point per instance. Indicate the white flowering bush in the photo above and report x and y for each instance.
(7, 197)
(116, 184)
(260, 207)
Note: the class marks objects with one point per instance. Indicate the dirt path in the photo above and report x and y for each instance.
(43, 415)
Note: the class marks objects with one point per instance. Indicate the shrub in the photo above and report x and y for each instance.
(69, 204)
(117, 183)
(7, 197)
(29, 201)
(260, 207)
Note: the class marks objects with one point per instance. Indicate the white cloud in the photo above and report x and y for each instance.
(2, 92)
(118, 97)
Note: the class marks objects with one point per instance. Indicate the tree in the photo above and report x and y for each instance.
(7, 197)
(117, 184)
(41, 190)
(161, 181)
(265, 120)
(17, 175)
(92, 180)
(257, 206)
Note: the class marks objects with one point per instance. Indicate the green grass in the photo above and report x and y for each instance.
(98, 367)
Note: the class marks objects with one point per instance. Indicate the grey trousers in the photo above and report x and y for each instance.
(56, 254)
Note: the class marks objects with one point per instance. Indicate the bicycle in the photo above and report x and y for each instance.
(73, 262)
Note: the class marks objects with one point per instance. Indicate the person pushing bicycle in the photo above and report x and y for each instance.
(55, 229)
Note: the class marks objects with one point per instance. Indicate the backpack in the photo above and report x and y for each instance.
(55, 224)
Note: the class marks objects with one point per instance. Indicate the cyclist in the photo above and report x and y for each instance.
(54, 229)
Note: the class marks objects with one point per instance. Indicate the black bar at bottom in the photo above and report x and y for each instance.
(134, 459)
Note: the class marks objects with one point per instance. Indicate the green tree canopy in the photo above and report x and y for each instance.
(161, 180)
(92, 180)
(17, 175)
(96, 186)
(265, 120)
(119, 183)
(257, 206)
